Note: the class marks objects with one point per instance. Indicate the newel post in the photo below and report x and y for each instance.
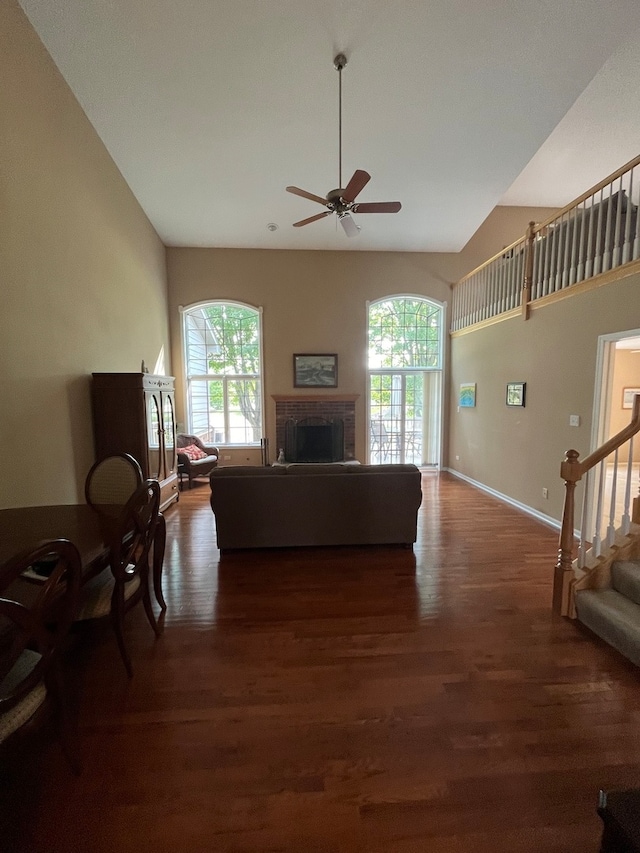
(570, 471)
(528, 270)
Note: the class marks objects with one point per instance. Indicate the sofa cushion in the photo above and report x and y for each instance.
(317, 469)
(388, 468)
(207, 462)
(247, 471)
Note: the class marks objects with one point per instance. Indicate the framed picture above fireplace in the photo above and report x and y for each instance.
(315, 370)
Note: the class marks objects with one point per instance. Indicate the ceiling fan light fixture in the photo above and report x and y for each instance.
(349, 225)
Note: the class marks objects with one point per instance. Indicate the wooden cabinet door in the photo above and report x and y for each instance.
(154, 435)
(168, 433)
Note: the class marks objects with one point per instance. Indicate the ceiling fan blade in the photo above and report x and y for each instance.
(305, 194)
(312, 218)
(350, 227)
(357, 183)
(377, 207)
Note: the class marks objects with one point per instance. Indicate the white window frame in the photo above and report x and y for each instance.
(410, 370)
(430, 301)
(224, 378)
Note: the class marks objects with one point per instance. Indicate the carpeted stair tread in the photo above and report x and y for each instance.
(613, 617)
(625, 578)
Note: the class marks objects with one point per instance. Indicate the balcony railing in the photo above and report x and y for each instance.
(596, 233)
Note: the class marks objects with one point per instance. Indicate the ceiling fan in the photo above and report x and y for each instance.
(342, 201)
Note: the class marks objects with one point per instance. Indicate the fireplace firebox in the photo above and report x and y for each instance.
(314, 440)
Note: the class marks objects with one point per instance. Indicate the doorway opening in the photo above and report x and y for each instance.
(615, 482)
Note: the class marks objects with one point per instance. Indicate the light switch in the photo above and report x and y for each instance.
(574, 420)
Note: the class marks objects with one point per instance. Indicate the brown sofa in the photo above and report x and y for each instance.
(315, 504)
(195, 467)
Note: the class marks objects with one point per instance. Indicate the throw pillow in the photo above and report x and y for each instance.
(193, 452)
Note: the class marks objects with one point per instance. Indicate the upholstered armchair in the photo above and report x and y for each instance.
(195, 459)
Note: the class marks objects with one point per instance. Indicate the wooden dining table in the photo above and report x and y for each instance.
(90, 531)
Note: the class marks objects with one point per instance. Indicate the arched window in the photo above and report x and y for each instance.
(223, 365)
(405, 380)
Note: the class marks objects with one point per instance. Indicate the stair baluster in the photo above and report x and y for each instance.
(611, 528)
(626, 519)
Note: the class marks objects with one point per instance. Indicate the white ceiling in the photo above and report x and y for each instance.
(210, 108)
(600, 133)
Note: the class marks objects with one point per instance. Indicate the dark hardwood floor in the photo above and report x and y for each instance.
(339, 700)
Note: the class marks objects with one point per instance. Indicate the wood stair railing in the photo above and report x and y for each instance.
(572, 471)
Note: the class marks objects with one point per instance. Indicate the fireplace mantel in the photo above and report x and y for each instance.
(315, 398)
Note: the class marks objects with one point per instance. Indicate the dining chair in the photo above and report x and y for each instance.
(108, 486)
(111, 481)
(35, 617)
(113, 593)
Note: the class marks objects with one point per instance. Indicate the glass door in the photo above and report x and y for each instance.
(404, 417)
(154, 458)
(168, 432)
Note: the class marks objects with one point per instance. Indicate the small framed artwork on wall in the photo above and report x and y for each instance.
(467, 398)
(315, 370)
(516, 392)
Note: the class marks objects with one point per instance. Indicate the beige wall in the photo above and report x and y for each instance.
(626, 374)
(312, 302)
(316, 301)
(517, 451)
(83, 274)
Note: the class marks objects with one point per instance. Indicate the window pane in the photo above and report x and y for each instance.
(236, 333)
(206, 410)
(380, 396)
(223, 341)
(404, 333)
(245, 416)
(413, 426)
(200, 342)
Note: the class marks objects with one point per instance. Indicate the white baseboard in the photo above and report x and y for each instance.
(534, 513)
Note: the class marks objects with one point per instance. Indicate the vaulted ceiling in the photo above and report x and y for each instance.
(210, 108)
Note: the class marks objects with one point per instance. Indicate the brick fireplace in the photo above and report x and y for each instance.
(328, 406)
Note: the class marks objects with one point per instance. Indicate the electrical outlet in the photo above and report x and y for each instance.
(574, 420)
(545, 493)
(226, 458)
(457, 458)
